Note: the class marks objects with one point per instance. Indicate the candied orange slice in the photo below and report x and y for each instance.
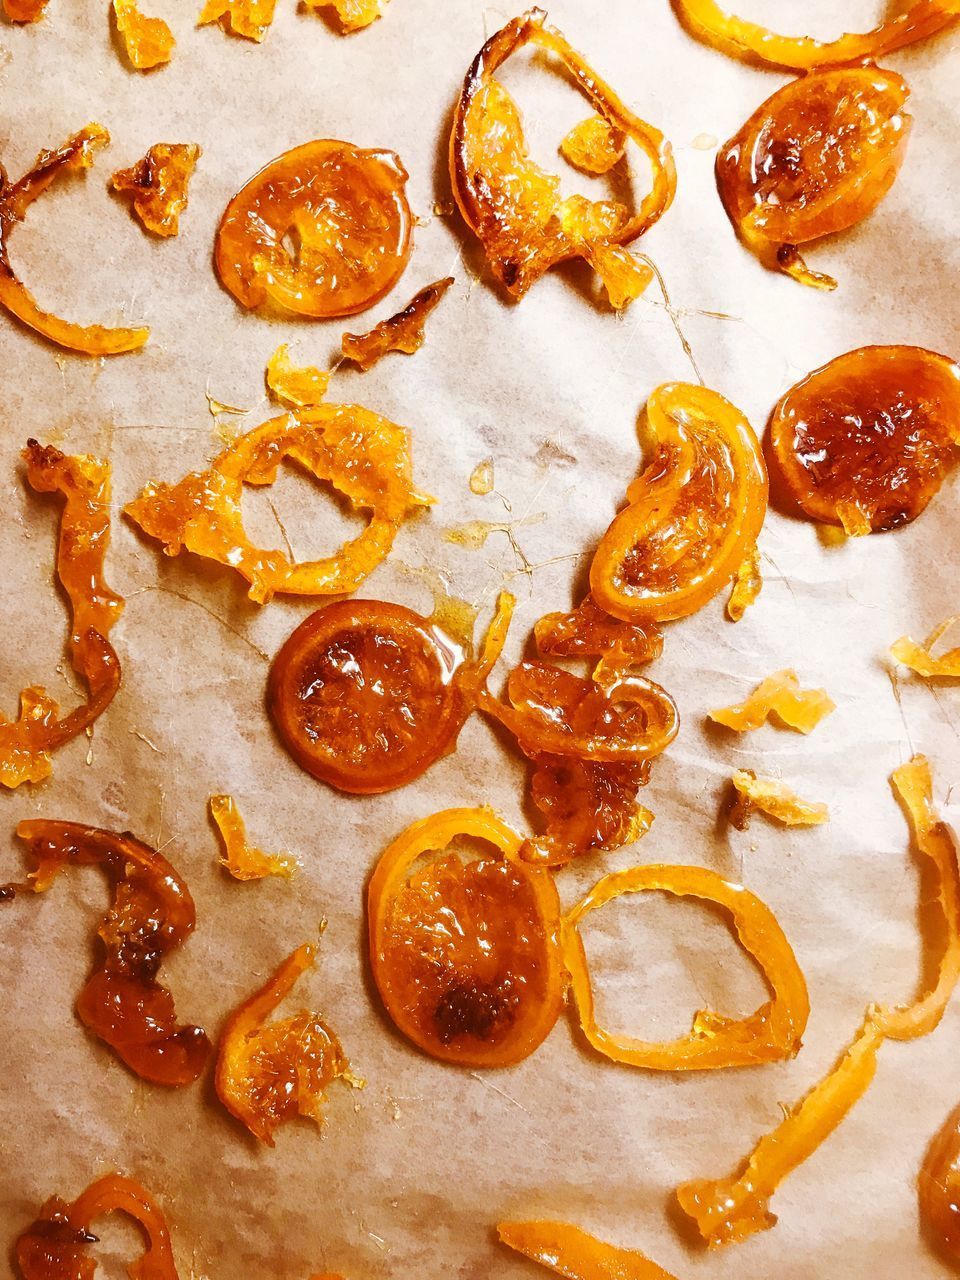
(769, 1034)
(149, 42)
(361, 455)
(295, 386)
(866, 441)
(747, 586)
(15, 199)
(157, 185)
(152, 913)
(239, 857)
(84, 482)
(588, 632)
(741, 38)
(727, 1210)
(464, 949)
(781, 697)
(938, 1189)
(56, 1245)
(690, 517)
(776, 800)
(514, 207)
(816, 158)
(404, 332)
(24, 10)
(920, 657)
(366, 695)
(267, 1073)
(324, 230)
(594, 145)
(249, 19)
(570, 1252)
(352, 15)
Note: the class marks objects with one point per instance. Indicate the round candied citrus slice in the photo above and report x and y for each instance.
(323, 230)
(464, 944)
(367, 695)
(866, 441)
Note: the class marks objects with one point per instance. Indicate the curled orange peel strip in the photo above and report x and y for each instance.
(743, 39)
(919, 657)
(15, 199)
(776, 800)
(690, 517)
(728, 1210)
(780, 696)
(243, 860)
(771, 1033)
(363, 456)
(571, 1252)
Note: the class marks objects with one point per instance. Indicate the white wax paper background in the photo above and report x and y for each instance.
(410, 1175)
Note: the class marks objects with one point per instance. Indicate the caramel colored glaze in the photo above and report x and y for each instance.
(152, 913)
(24, 10)
(866, 441)
(570, 1252)
(586, 805)
(56, 1245)
(295, 386)
(366, 695)
(157, 185)
(589, 632)
(361, 455)
(816, 158)
(84, 482)
(342, 211)
(938, 1188)
(352, 15)
(249, 19)
(464, 948)
(268, 1073)
(403, 332)
(149, 42)
(15, 199)
(594, 145)
(242, 859)
(514, 207)
(690, 517)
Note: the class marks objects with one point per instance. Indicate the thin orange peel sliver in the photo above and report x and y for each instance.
(920, 658)
(572, 1252)
(780, 696)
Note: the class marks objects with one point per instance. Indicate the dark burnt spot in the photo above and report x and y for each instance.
(469, 1007)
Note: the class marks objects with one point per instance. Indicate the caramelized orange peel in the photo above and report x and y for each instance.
(514, 207)
(26, 744)
(816, 158)
(771, 1033)
(920, 657)
(778, 696)
(122, 1002)
(747, 586)
(149, 42)
(249, 19)
(776, 800)
(56, 1245)
(744, 39)
(403, 332)
(15, 199)
(323, 230)
(295, 386)
(367, 695)
(690, 517)
(588, 632)
(938, 1189)
(571, 1252)
(594, 145)
(24, 10)
(824, 435)
(728, 1210)
(353, 15)
(465, 951)
(243, 860)
(363, 456)
(269, 1072)
(157, 185)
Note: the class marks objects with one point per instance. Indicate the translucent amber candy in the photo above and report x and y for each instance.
(866, 441)
(747, 586)
(268, 1073)
(514, 207)
(84, 482)
(152, 913)
(920, 657)
(324, 230)
(352, 15)
(816, 158)
(690, 517)
(771, 1032)
(249, 19)
(939, 1189)
(781, 696)
(589, 632)
(464, 946)
(775, 799)
(403, 332)
(149, 42)
(570, 1252)
(243, 860)
(15, 199)
(24, 10)
(366, 695)
(594, 145)
(157, 185)
(361, 455)
(57, 1245)
(295, 386)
